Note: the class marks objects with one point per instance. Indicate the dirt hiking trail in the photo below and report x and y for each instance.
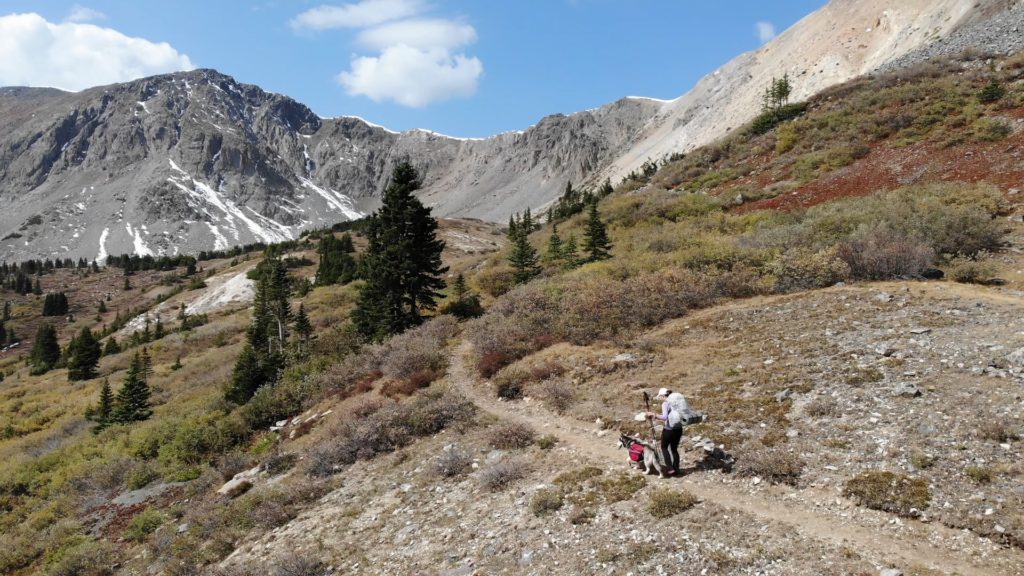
(794, 508)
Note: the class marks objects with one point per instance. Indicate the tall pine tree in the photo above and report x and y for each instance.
(45, 350)
(105, 411)
(337, 266)
(523, 256)
(553, 255)
(132, 402)
(595, 240)
(83, 355)
(402, 262)
(263, 358)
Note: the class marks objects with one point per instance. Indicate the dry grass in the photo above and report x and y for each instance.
(511, 436)
(773, 464)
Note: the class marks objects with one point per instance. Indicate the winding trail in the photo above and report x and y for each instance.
(864, 532)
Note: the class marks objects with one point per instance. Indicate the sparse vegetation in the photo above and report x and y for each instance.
(665, 502)
(501, 474)
(546, 500)
(776, 465)
(512, 436)
(889, 492)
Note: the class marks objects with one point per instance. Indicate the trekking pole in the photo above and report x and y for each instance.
(647, 402)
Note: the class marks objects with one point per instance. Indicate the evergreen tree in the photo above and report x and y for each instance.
(337, 266)
(105, 411)
(159, 331)
(262, 359)
(177, 364)
(83, 356)
(111, 347)
(302, 326)
(45, 350)
(37, 289)
(102, 308)
(595, 241)
(606, 189)
(463, 303)
(570, 253)
(7, 310)
(553, 255)
(147, 364)
(402, 262)
(3, 333)
(132, 402)
(127, 284)
(523, 256)
(247, 377)
(12, 337)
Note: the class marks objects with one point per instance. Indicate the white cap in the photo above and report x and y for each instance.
(664, 392)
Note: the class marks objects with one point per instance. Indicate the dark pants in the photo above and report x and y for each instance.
(670, 438)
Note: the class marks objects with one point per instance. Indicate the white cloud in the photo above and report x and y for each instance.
(81, 14)
(417, 60)
(765, 31)
(358, 15)
(75, 56)
(412, 76)
(422, 34)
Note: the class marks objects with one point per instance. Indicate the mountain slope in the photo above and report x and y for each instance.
(196, 161)
(843, 40)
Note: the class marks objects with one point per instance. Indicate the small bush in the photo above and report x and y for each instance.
(991, 93)
(889, 492)
(883, 255)
(453, 461)
(546, 500)
(89, 558)
(621, 486)
(546, 369)
(989, 130)
(558, 395)
(921, 460)
(579, 515)
(420, 350)
(510, 384)
(512, 436)
(547, 442)
(141, 476)
(776, 466)
(572, 479)
(279, 463)
(143, 524)
(980, 474)
(822, 407)
(501, 474)
(804, 269)
(998, 430)
(971, 271)
(665, 502)
(491, 362)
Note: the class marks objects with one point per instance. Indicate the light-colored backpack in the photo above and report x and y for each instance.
(680, 411)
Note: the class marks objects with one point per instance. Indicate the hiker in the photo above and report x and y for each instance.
(672, 407)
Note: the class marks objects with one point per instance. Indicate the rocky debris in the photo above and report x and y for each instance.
(240, 483)
(784, 395)
(907, 390)
(890, 572)
(989, 32)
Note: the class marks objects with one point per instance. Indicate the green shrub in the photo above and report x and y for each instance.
(992, 92)
(547, 442)
(141, 476)
(143, 524)
(971, 271)
(546, 500)
(980, 474)
(621, 486)
(767, 120)
(86, 558)
(665, 502)
(889, 492)
(803, 269)
(990, 130)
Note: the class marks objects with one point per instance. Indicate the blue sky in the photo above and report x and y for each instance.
(460, 67)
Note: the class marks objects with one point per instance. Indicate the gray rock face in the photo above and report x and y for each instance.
(194, 161)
